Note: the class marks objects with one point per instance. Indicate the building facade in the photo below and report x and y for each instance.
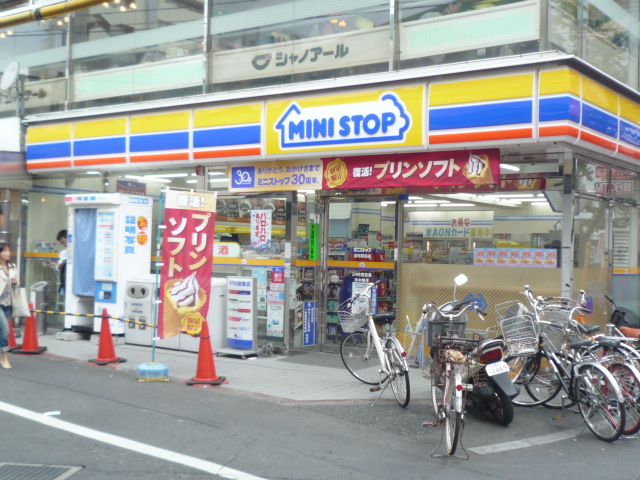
(409, 141)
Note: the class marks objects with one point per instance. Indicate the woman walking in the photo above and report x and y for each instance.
(8, 282)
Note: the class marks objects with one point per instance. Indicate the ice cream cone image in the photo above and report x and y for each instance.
(478, 170)
(182, 297)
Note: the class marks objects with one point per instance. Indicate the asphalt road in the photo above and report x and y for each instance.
(115, 428)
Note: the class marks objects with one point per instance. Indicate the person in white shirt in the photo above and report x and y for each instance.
(62, 260)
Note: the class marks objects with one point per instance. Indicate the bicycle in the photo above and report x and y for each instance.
(372, 359)
(583, 377)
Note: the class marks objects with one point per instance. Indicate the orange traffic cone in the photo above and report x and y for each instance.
(206, 371)
(106, 349)
(12, 337)
(30, 337)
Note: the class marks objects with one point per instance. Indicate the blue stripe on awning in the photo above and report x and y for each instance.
(219, 137)
(159, 141)
(600, 121)
(559, 108)
(48, 150)
(485, 115)
(100, 146)
(630, 133)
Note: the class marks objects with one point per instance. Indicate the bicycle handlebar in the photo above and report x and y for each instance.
(466, 305)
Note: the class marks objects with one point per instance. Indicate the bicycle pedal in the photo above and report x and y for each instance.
(374, 389)
(429, 424)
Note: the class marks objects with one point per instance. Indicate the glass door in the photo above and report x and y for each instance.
(359, 247)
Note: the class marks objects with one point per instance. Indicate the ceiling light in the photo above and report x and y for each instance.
(511, 195)
(458, 205)
(213, 173)
(191, 181)
(92, 172)
(429, 205)
(167, 175)
(147, 179)
(539, 203)
(506, 166)
(415, 198)
(423, 202)
(218, 180)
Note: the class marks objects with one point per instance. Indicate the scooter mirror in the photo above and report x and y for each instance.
(461, 279)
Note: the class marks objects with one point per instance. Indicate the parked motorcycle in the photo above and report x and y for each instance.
(486, 378)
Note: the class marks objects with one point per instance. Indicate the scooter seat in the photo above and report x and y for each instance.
(630, 332)
(384, 318)
(491, 342)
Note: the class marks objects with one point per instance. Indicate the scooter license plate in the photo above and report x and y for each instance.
(496, 368)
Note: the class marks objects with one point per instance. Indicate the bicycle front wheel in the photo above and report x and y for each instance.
(629, 383)
(597, 402)
(437, 386)
(399, 374)
(453, 418)
(360, 357)
(536, 379)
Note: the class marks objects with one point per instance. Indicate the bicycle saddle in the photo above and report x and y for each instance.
(630, 332)
(384, 318)
(587, 328)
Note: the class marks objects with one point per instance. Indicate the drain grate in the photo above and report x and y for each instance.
(24, 471)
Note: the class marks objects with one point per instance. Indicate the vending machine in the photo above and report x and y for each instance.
(109, 242)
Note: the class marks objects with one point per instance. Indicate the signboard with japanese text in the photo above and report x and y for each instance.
(309, 322)
(261, 229)
(187, 255)
(358, 120)
(456, 168)
(314, 241)
(241, 313)
(275, 303)
(281, 176)
(131, 188)
(284, 57)
(516, 257)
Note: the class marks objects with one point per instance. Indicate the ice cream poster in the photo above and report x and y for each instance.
(475, 168)
(187, 255)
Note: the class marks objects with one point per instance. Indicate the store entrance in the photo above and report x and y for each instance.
(359, 246)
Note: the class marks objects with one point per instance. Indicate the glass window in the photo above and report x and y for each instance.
(608, 41)
(263, 42)
(40, 50)
(450, 31)
(137, 50)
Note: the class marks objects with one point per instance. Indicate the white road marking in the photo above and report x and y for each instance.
(128, 444)
(529, 442)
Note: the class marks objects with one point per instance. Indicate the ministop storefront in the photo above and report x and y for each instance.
(344, 166)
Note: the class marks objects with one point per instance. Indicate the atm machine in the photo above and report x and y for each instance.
(109, 243)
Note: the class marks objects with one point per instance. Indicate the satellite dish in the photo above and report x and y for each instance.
(9, 76)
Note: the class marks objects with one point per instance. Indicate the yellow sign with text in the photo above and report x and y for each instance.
(354, 121)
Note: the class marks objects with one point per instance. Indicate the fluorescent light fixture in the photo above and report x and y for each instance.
(167, 175)
(147, 179)
(415, 198)
(191, 181)
(306, 191)
(539, 203)
(212, 174)
(423, 202)
(506, 166)
(510, 195)
(458, 205)
(429, 205)
(218, 180)
(93, 172)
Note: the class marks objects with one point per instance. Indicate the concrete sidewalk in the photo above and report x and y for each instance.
(302, 377)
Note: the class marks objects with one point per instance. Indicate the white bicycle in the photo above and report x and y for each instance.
(372, 359)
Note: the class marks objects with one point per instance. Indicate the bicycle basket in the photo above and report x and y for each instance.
(438, 325)
(511, 309)
(520, 335)
(353, 314)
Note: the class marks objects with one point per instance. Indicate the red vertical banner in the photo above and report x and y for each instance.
(187, 256)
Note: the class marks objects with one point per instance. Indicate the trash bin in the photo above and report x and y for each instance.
(39, 299)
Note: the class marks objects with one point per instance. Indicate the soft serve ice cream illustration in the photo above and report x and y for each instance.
(478, 170)
(182, 299)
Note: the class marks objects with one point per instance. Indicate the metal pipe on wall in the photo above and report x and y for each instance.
(5, 217)
(50, 11)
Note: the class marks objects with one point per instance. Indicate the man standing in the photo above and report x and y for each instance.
(62, 262)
